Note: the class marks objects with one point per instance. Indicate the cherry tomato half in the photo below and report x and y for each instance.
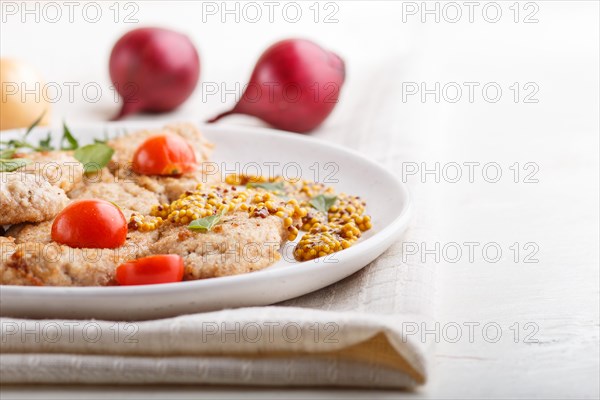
(163, 268)
(90, 223)
(164, 155)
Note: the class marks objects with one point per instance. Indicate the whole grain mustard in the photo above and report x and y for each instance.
(329, 227)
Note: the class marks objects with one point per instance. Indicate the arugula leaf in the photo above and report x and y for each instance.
(94, 157)
(15, 144)
(35, 123)
(323, 202)
(7, 153)
(45, 144)
(96, 140)
(205, 224)
(98, 153)
(276, 187)
(68, 136)
(13, 164)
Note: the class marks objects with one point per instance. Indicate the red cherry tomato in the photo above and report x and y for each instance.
(164, 155)
(90, 224)
(163, 268)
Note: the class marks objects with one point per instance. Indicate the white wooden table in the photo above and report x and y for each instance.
(546, 120)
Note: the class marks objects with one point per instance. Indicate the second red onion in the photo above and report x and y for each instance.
(154, 70)
(295, 86)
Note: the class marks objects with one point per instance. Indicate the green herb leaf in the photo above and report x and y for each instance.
(205, 224)
(13, 164)
(15, 144)
(104, 140)
(72, 142)
(94, 157)
(323, 202)
(276, 187)
(7, 153)
(44, 144)
(35, 123)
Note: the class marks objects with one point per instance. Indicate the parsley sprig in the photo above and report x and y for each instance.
(94, 156)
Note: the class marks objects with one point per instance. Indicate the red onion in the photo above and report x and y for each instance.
(154, 70)
(295, 86)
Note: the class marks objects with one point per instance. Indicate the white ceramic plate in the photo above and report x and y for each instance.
(251, 150)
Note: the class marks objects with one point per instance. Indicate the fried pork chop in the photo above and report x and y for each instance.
(239, 244)
(126, 145)
(127, 195)
(50, 264)
(169, 188)
(26, 197)
(59, 168)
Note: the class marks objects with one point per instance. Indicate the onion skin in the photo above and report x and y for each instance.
(20, 109)
(295, 86)
(154, 70)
